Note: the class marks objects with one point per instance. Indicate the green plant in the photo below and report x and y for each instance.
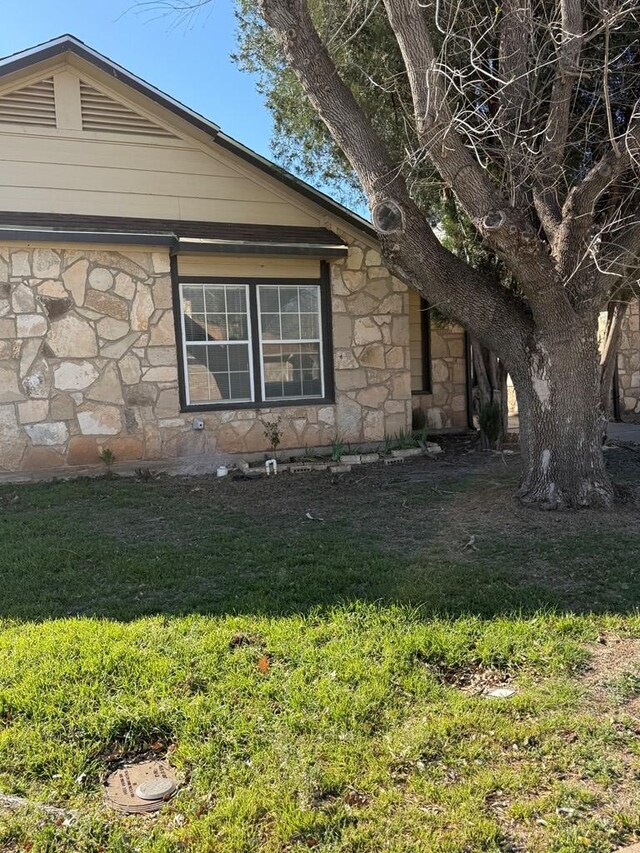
(273, 434)
(107, 457)
(422, 435)
(405, 440)
(338, 448)
(490, 422)
(387, 444)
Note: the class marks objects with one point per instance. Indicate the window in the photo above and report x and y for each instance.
(251, 342)
(419, 344)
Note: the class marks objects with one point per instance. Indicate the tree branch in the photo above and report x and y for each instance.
(410, 248)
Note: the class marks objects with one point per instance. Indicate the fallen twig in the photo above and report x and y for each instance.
(10, 803)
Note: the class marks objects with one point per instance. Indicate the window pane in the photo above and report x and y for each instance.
(290, 326)
(289, 300)
(238, 358)
(237, 328)
(216, 327)
(236, 300)
(240, 386)
(210, 378)
(309, 326)
(194, 327)
(292, 370)
(193, 298)
(271, 327)
(215, 299)
(309, 299)
(269, 299)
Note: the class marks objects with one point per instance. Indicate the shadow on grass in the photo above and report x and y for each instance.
(122, 550)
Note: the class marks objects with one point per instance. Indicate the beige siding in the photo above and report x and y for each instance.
(64, 169)
(252, 266)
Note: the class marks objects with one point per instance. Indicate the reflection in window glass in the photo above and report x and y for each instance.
(217, 343)
(291, 345)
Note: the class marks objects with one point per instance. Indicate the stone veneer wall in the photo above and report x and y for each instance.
(446, 405)
(629, 364)
(88, 360)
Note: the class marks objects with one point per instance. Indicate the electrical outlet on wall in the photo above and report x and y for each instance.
(198, 423)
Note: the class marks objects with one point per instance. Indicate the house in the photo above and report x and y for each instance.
(164, 290)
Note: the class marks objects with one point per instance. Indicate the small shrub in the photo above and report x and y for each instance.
(107, 457)
(404, 440)
(273, 434)
(338, 448)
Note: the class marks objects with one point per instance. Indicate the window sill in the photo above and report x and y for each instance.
(421, 393)
(275, 404)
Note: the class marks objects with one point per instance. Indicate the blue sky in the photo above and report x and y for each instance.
(189, 62)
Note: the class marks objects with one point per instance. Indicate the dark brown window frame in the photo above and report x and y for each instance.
(324, 283)
(425, 329)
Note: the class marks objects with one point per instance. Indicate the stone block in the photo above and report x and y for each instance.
(101, 279)
(52, 288)
(369, 458)
(46, 263)
(75, 280)
(366, 331)
(350, 459)
(74, 375)
(10, 391)
(33, 411)
(373, 356)
(340, 469)
(100, 420)
(20, 265)
(373, 397)
(107, 304)
(7, 328)
(142, 309)
(48, 434)
(163, 333)
(160, 374)
(83, 450)
(62, 408)
(41, 458)
(119, 348)
(349, 380)
(31, 325)
(372, 258)
(107, 388)
(125, 286)
(72, 337)
(125, 448)
(162, 293)
(112, 330)
(23, 300)
(342, 331)
(354, 258)
(130, 369)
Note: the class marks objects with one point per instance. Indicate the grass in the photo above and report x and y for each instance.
(121, 608)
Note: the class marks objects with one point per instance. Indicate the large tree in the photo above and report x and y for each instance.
(528, 112)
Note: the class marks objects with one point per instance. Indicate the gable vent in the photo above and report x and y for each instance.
(33, 105)
(102, 113)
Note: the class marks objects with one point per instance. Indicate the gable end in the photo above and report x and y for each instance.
(32, 105)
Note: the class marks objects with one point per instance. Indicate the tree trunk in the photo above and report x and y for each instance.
(561, 423)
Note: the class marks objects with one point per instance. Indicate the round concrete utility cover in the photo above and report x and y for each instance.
(129, 789)
(156, 789)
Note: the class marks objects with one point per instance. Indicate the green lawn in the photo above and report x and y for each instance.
(133, 616)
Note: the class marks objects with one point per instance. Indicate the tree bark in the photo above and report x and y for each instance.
(561, 423)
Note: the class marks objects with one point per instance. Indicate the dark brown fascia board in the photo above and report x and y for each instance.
(313, 250)
(45, 235)
(69, 43)
(64, 43)
(175, 244)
